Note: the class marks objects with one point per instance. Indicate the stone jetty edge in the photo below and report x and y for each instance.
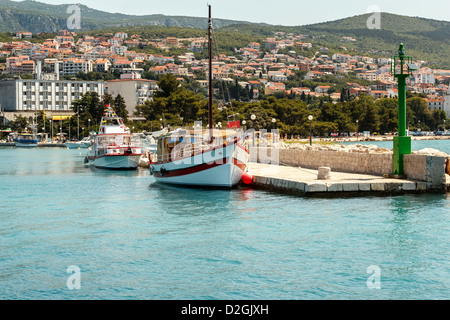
(339, 189)
(427, 170)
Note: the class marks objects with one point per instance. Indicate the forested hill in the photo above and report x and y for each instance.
(37, 17)
(424, 39)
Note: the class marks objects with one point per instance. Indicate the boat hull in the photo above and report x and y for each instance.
(77, 145)
(116, 162)
(26, 141)
(221, 167)
(27, 144)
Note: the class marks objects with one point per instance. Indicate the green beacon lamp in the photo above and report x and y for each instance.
(401, 68)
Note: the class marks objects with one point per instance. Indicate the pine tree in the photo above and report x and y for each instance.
(343, 95)
(120, 107)
(303, 96)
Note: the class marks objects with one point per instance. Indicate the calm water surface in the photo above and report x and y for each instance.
(442, 145)
(135, 239)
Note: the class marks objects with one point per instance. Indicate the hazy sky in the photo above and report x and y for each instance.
(278, 12)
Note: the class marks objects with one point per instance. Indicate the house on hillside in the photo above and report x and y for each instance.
(436, 103)
(322, 89)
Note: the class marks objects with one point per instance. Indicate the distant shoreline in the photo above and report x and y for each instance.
(367, 139)
(391, 138)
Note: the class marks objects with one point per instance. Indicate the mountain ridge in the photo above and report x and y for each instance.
(55, 18)
(424, 38)
(103, 19)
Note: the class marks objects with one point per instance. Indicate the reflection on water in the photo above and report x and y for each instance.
(179, 200)
(139, 172)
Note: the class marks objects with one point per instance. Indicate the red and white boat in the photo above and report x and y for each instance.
(204, 157)
(113, 147)
(193, 160)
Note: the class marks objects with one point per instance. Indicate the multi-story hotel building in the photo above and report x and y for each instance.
(73, 66)
(30, 96)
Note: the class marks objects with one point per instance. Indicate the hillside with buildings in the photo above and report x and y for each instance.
(50, 71)
(426, 39)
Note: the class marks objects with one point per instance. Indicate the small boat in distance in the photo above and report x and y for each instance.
(113, 147)
(82, 144)
(26, 140)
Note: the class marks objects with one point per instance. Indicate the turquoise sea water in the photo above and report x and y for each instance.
(135, 239)
(416, 145)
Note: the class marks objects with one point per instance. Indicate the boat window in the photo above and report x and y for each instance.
(102, 141)
(111, 140)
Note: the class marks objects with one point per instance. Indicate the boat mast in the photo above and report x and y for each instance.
(210, 117)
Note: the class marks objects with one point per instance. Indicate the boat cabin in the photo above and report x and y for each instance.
(183, 143)
(105, 144)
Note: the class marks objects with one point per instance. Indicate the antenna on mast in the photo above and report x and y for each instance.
(210, 95)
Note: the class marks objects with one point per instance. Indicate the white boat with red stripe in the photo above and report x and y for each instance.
(114, 146)
(196, 160)
(205, 157)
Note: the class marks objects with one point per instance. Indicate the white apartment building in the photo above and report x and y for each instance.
(115, 41)
(423, 76)
(341, 58)
(121, 35)
(71, 66)
(435, 104)
(50, 95)
(369, 76)
(120, 50)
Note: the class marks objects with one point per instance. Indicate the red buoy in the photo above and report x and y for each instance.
(247, 178)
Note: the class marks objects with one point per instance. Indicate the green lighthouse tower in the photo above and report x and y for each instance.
(401, 68)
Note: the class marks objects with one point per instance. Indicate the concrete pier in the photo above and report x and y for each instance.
(344, 169)
(300, 181)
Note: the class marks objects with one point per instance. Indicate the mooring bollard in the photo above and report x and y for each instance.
(324, 173)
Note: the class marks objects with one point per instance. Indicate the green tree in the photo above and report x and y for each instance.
(331, 112)
(120, 107)
(108, 99)
(421, 114)
(388, 112)
(261, 121)
(19, 123)
(370, 120)
(438, 118)
(90, 109)
(321, 128)
(175, 107)
(167, 84)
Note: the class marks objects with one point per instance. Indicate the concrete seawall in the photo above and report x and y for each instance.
(299, 181)
(427, 172)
